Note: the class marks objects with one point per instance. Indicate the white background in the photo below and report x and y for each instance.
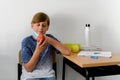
(68, 19)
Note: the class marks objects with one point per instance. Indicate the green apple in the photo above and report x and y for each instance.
(74, 47)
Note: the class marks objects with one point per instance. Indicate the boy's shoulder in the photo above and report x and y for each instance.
(49, 35)
(26, 39)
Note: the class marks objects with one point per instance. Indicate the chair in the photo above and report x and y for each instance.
(20, 66)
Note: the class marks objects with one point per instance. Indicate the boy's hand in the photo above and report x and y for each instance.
(41, 42)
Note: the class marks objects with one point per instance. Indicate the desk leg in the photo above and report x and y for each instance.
(87, 76)
(63, 74)
(93, 78)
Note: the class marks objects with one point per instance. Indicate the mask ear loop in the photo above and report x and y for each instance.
(35, 34)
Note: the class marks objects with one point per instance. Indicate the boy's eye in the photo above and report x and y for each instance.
(44, 25)
(38, 24)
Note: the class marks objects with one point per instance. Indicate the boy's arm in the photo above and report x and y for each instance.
(61, 47)
(31, 64)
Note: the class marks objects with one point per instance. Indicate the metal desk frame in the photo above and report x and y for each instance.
(91, 72)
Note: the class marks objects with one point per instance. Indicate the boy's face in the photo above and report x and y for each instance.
(40, 28)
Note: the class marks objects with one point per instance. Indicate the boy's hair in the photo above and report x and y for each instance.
(40, 17)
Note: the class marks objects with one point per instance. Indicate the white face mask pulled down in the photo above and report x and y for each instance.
(35, 34)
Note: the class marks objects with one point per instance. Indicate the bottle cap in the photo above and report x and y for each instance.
(88, 25)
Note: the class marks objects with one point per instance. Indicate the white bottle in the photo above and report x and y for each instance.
(87, 35)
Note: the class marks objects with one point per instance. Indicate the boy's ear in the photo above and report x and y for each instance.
(31, 25)
(47, 28)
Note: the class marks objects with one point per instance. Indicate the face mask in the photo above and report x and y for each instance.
(35, 34)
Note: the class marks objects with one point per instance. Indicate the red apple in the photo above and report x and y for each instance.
(40, 38)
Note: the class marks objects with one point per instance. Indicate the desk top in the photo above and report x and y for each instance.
(86, 61)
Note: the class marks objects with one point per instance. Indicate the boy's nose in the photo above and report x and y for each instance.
(40, 27)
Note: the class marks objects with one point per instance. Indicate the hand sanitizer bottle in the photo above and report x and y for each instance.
(87, 35)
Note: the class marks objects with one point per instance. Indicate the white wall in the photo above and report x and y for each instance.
(68, 18)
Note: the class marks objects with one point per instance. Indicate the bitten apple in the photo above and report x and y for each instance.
(40, 38)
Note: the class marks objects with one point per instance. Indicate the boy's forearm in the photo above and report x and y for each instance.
(61, 47)
(30, 66)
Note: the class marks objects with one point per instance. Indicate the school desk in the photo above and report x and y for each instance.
(90, 67)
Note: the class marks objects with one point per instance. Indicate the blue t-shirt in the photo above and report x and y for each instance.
(44, 65)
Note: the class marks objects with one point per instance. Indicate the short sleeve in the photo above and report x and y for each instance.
(26, 53)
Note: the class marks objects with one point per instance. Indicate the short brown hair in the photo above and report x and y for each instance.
(40, 17)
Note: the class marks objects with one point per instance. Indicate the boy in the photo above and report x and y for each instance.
(36, 56)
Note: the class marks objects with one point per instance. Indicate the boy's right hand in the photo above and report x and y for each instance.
(41, 42)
